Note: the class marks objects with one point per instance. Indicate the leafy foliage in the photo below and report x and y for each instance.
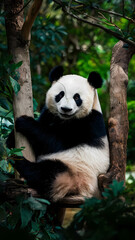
(47, 45)
(6, 157)
(99, 15)
(8, 86)
(112, 216)
(26, 216)
(49, 38)
(8, 77)
(109, 218)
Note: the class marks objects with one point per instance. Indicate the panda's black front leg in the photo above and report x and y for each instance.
(25, 124)
(30, 128)
(41, 141)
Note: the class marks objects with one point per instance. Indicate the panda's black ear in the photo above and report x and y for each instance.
(56, 73)
(95, 80)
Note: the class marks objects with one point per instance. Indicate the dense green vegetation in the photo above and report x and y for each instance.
(81, 48)
(112, 217)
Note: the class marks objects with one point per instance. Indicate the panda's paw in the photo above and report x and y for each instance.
(22, 123)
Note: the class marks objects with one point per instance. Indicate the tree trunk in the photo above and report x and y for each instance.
(19, 49)
(118, 120)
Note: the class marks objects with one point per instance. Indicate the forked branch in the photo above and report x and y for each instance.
(30, 18)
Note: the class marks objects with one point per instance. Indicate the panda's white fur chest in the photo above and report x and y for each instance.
(85, 164)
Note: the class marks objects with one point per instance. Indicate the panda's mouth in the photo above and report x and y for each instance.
(63, 115)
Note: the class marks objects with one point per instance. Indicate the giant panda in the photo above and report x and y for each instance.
(69, 140)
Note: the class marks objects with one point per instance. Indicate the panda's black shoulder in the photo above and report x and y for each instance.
(96, 123)
(48, 119)
(45, 116)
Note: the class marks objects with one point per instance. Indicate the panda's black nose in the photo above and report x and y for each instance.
(65, 109)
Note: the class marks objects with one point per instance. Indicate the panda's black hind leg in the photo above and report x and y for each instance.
(40, 176)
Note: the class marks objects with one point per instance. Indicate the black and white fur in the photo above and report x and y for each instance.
(69, 139)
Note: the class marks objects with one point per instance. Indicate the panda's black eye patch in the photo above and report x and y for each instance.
(59, 96)
(77, 99)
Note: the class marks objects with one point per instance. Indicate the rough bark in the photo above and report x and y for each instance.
(23, 101)
(118, 120)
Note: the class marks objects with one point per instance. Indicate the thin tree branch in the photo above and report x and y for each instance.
(93, 23)
(30, 18)
(109, 12)
(110, 22)
(115, 14)
(95, 19)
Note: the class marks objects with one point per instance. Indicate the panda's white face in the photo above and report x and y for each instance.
(70, 96)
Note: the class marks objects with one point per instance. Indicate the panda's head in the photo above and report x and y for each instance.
(71, 96)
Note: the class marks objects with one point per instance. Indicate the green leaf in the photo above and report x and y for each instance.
(35, 104)
(16, 151)
(3, 177)
(114, 190)
(106, 193)
(6, 166)
(15, 85)
(34, 204)
(26, 215)
(35, 227)
(3, 112)
(117, 187)
(14, 66)
(43, 200)
(4, 103)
